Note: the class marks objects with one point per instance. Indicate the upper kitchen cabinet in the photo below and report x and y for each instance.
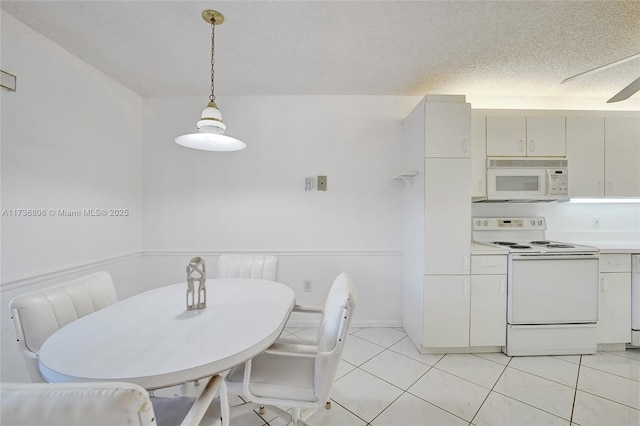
(622, 157)
(447, 122)
(585, 154)
(526, 137)
(604, 156)
(478, 156)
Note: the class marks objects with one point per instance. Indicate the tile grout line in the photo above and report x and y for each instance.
(613, 374)
(575, 391)
(491, 390)
(405, 391)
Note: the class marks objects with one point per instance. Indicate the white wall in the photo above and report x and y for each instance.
(70, 139)
(204, 203)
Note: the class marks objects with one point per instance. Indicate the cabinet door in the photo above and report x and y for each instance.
(614, 319)
(488, 325)
(478, 156)
(446, 311)
(585, 153)
(622, 157)
(546, 137)
(447, 130)
(506, 136)
(447, 209)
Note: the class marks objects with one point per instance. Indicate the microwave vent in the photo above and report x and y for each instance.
(526, 163)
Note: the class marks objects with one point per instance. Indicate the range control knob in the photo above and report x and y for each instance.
(478, 223)
(533, 223)
(485, 223)
(539, 223)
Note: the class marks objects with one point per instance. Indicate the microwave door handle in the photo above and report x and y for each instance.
(546, 182)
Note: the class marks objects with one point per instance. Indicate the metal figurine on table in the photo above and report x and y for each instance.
(196, 271)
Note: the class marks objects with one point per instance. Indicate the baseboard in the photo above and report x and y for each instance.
(461, 350)
(612, 346)
(354, 324)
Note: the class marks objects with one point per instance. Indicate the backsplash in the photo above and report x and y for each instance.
(574, 221)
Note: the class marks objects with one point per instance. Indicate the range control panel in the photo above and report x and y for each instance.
(519, 223)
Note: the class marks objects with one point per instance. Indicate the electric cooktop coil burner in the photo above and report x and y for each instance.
(540, 243)
(560, 246)
(511, 244)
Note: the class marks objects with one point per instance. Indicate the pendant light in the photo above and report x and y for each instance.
(211, 128)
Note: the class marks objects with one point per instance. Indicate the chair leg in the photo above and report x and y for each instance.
(328, 405)
(295, 415)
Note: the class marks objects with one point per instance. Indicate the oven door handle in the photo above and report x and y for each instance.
(585, 256)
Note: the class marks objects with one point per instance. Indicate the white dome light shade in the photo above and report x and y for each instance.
(208, 141)
(211, 136)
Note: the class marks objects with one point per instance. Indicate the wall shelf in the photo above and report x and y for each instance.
(405, 177)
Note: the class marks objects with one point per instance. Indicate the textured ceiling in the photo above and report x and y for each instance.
(482, 48)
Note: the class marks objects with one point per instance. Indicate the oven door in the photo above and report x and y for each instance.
(552, 289)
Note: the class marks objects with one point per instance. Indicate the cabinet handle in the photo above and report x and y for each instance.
(465, 146)
(604, 285)
(521, 147)
(465, 263)
(490, 264)
(464, 287)
(502, 287)
(532, 145)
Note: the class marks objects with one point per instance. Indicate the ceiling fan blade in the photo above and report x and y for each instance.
(626, 92)
(603, 67)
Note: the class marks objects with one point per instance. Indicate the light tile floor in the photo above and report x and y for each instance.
(384, 380)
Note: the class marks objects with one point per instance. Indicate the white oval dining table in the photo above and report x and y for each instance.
(151, 339)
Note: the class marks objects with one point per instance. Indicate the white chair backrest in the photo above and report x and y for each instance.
(334, 329)
(45, 404)
(39, 314)
(247, 266)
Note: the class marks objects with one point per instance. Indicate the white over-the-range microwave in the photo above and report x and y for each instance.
(527, 179)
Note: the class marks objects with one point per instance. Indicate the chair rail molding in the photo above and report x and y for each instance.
(65, 272)
(393, 252)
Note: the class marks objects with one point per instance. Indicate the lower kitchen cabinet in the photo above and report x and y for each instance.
(488, 325)
(614, 313)
(488, 317)
(446, 311)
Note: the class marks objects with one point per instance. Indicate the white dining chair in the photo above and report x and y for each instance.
(295, 373)
(39, 314)
(106, 404)
(247, 266)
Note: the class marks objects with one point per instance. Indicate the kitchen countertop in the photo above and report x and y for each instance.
(480, 249)
(622, 247)
(606, 247)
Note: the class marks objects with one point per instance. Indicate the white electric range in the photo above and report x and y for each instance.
(552, 288)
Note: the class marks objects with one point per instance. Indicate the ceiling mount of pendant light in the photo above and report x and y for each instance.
(211, 128)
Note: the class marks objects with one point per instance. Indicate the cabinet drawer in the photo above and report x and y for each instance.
(489, 264)
(615, 263)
